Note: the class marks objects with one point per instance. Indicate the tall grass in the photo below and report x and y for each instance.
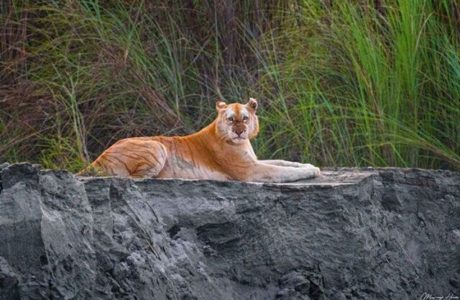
(341, 84)
(367, 87)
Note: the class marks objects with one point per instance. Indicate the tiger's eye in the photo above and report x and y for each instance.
(230, 119)
(245, 118)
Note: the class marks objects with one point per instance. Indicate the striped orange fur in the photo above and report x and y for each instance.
(220, 151)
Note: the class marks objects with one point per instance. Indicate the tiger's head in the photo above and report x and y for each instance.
(237, 123)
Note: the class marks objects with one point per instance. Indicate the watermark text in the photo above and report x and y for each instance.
(427, 296)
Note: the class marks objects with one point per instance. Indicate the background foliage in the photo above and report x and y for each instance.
(340, 83)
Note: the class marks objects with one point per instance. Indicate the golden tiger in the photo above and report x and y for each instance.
(220, 151)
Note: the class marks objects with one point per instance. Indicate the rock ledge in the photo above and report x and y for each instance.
(352, 234)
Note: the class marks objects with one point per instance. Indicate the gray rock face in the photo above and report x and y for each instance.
(352, 234)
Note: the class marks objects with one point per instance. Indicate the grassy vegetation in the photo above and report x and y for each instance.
(340, 83)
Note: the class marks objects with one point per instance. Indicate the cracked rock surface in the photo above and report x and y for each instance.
(351, 234)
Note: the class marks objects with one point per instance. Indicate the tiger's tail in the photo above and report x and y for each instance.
(90, 170)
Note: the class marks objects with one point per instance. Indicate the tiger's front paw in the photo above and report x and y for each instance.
(316, 171)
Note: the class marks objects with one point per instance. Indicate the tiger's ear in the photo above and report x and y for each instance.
(220, 105)
(252, 104)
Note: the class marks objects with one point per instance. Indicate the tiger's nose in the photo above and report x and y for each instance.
(239, 131)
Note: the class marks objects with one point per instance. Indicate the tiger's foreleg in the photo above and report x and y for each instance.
(285, 163)
(263, 172)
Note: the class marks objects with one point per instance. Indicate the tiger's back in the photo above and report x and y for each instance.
(185, 157)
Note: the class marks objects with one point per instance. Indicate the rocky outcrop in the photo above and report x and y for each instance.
(352, 234)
